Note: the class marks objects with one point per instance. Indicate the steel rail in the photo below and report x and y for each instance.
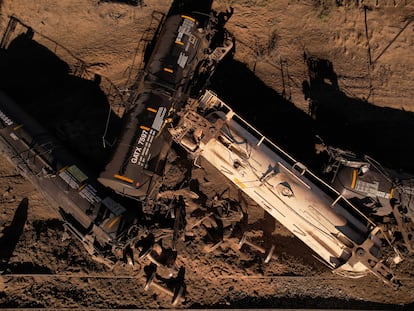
(101, 276)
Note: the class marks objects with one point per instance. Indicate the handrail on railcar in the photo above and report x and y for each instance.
(231, 114)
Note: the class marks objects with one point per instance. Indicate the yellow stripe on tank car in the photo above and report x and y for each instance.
(188, 17)
(142, 127)
(114, 221)
(63, 169)
(392, 193)
(239, 183)
(179, 42)
(123, 178)
(168, 70)
(354, 178)
(17, 127)
(152, 109)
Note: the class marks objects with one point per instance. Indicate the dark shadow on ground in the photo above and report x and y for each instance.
(12, 233)
(385, 134)
(140, 3)
(73, 109)
(188, 6)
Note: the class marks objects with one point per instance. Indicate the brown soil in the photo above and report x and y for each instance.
(361, 100)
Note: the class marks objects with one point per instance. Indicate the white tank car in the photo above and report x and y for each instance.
(344, 239)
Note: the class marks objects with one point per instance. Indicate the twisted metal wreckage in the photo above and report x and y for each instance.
(357, 223)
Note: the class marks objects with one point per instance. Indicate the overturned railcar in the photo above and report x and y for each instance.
(346, 241)
(142, 148)
(88, 210)
(139, 156)
(381, 192)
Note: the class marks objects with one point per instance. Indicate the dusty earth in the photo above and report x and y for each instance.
(358, 95)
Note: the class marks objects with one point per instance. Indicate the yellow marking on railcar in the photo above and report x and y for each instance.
(152, 109)
(114, 221)
(142, 127)
(239, 183)
(17, 127)
(392, 193)
(188, 17)
(179, 42)
(354, 178)
(63, 169)
(123, 178)
(168, 70)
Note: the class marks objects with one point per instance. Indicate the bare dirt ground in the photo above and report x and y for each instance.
(362, 101)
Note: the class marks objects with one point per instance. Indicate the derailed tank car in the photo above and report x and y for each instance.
(95, 217)
(382, 193)
(142, 148)
(139, 155)
(344, 239)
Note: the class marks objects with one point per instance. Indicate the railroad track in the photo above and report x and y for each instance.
(250, 277)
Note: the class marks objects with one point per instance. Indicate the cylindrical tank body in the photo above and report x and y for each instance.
(268, 175)
(142, 147)
(141, 150)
